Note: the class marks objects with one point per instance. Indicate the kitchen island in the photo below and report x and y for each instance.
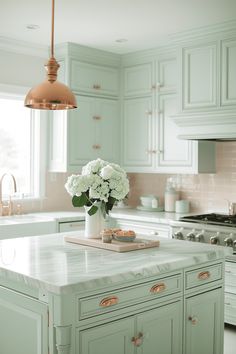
(60, 297)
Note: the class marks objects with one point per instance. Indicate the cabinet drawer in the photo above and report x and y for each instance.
(111, 301)
(230, 308)
(71, 226)
(203, 276)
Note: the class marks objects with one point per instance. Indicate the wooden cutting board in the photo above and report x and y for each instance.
(116, 246)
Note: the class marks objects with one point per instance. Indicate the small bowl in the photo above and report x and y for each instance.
(146, 200)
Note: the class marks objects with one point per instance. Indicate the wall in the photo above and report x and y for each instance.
(206, 192)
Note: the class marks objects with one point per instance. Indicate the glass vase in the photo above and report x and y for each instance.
(95, 223)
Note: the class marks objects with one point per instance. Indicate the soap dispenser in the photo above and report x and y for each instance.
(171, 195)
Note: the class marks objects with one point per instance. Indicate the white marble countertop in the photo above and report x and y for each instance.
(122, 213)
(148, 216)
(49, 263)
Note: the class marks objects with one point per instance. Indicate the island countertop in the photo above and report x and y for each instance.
(49, 263)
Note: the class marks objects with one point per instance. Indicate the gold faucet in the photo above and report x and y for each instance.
(6, 209)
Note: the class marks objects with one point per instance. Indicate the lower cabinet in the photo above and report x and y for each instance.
(157, 331)
(23, 323)
(230, 293)
(204, 323)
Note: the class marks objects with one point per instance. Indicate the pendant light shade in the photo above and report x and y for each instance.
(51, 94)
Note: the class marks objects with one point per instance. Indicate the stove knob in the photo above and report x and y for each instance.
(214, 240)
(179, 235)
(191, 236)
(228, 242)
(200, 237)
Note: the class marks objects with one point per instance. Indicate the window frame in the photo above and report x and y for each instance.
(38, 143)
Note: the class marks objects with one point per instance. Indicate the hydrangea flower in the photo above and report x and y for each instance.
(100, 181)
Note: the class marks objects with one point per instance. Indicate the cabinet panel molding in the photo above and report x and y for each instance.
(200, 77)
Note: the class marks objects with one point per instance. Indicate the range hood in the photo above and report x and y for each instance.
(214, 125)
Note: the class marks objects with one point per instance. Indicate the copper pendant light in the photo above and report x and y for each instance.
(51, 94)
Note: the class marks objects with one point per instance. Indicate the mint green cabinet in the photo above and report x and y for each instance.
(94, 79)
(157, 331)
(161, 330)
(167, 78)
(204, 323)
(23, 323)
(230, 293)
(86, 133)
(114, 337)
(173, 153)
(228, 72)
(138, 134)
(199, 76)
(93, 131)
(138, 80)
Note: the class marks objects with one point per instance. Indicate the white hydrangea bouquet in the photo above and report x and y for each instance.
(100, 181)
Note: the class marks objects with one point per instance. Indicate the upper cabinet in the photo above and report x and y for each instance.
(199, 76)
(228, 73)
(84, 134)
(149, 135)
(138, 80)
(94, 79)
(93, 129)
(207, 83)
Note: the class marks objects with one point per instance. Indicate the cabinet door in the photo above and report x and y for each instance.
(81, 134)
(27, 319)
(204, 323)
(96, 79)
(166, 75)
(138, 135)
(138, 80)
(228, 89)
(173, 152)
(112, 338)
(161, 329)
(107, 129)
(199, 77)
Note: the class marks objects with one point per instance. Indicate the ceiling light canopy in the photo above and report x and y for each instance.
(51, 94)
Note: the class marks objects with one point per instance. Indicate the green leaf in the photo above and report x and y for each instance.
(92, 210)
(79, 201)
(110, 204)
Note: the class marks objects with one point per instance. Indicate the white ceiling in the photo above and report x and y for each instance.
(98, 23)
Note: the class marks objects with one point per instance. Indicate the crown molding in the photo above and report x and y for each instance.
(223, 29)
(219, 117)
(21, 47)
(87, 54)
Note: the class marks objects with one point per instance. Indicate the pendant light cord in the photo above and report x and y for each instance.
(52, 33)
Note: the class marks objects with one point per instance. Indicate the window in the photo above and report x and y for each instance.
(19, 147)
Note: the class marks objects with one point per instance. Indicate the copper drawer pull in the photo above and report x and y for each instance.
(97, 117)
(204, 275)
(109, 301)
(157, 288)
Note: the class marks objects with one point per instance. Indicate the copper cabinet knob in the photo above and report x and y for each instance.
(193, 319)
(96, 146)
(138, 340)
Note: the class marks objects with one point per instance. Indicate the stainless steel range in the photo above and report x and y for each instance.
(207, 228)
(216, 229)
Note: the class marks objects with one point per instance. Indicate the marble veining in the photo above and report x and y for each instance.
(48, 262)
